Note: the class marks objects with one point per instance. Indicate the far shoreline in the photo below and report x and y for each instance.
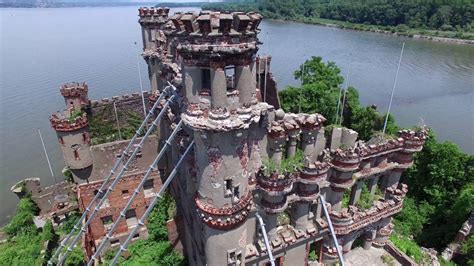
(386, 32)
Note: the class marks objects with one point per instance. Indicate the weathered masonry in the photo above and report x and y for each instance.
(246, 151)
(89, 164)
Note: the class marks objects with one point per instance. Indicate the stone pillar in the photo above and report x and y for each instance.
(320, 144)
(292, 141)
(308, 138)
(348, 137)
(243, 79)
(271, 224)
(276, 146)
(300, 215)
(336, 138)
(372, 186)
(192, 83)
(253, 80)
(369, 237)
(391, 179)
(218, 88)
(355, 193)
(154, 75)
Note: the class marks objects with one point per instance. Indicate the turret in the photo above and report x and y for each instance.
(75, 95)
(72, 129)
(219, 87)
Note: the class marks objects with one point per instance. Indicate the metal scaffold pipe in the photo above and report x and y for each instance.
(155, 200)
(265, 238)
(331, 230)
(118, 161)
(116, 180)
(151, 168)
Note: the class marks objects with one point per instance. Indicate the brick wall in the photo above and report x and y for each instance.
(111, 209)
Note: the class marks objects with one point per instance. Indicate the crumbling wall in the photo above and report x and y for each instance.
(104, 156)
(103, 109)
(116, 201)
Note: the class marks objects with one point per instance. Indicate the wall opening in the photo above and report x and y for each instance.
(131, 217)
(148, 188)
(230, 77)
(206, 79)
(228, 188)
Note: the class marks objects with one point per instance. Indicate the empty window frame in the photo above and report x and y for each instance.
(206, 79)
(148, 188)
(230, 77)
(228, 188)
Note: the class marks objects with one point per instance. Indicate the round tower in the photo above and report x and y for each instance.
(218, 53)
(72, 129)
(152, 21)
(75, 95)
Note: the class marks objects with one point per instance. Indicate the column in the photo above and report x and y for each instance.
(243, 79)
(300, 215)
(355, 193)
(192, 83)
(372, 186)
(218, 87)
(154, 75)
(308, 138)
(292, 141)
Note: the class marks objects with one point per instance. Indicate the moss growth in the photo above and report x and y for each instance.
(408, 246)
(287, 165)
(105, 130)
(283, 218)
(74, 115)
(366, 199)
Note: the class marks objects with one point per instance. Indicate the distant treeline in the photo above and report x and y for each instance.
(182, 4)
(434, 15)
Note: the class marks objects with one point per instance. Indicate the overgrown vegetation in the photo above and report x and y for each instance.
(105, 130)
(287, 165)
(366, 199)
(441, 181)
(74, 115)
(156, 250)
(408, 246)
(25, 240)
(452, 19)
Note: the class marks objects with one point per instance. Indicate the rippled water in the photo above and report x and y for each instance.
(42, 48)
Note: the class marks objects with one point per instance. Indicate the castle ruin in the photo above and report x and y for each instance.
(249, 158)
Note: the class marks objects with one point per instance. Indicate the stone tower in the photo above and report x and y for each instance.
(152, 21)
(218, 69)
(72, 129)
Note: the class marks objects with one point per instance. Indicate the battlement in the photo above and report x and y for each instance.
(64, 124)
(74, 89)
(414, 140)
(153, 15)
(120, 99)
(217, 24)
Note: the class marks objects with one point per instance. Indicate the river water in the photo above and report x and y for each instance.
(43, 48)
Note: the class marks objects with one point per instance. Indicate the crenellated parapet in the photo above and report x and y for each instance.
(231, 36)
(74, 89)
(224, 218)
(153, 15)
(354, 219)
(275, 184)
(413, 140)
(64, 124)
(75, 94)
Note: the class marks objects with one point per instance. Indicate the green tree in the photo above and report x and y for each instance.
(314, 70)
(22, 221)
(75, 258)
